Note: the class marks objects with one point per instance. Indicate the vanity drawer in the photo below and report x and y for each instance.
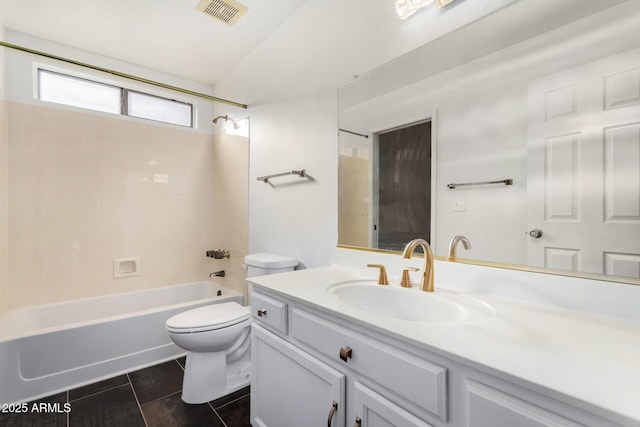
(414, 379)
(269, 312)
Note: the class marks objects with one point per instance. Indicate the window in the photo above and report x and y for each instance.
(67, 90)
(156, 108)
(78, 92)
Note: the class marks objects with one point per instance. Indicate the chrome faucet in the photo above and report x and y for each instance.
(454, 244)
(427, 275)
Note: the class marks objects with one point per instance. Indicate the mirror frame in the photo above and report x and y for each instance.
(517, 267)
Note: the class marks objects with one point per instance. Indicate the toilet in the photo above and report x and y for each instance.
(217, 340)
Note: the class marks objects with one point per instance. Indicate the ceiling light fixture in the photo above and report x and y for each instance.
(442, 3)
(406, 8)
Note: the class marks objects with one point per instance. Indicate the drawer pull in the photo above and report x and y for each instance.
(345, 353)
(262, 312)
(358, 422)
(334, 408)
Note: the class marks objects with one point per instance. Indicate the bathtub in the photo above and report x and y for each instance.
(50, 348)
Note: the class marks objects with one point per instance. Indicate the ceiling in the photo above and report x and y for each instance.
(173, 37)
(165, 35)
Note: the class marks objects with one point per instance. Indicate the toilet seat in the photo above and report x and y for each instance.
(208, 318)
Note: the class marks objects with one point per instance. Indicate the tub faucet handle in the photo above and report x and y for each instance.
(218, 254)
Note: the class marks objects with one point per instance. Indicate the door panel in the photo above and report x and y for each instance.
(403, 185)
(374, 410)
(584, 168)
(289, 388)
(489, 407)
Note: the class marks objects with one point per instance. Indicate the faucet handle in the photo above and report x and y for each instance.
(406, 280)
(382, 279)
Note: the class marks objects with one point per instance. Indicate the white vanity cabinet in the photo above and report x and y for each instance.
(487, 405)
(373, 410)
(306, 360)
(290, 387)
(397, 379)
(303, 364)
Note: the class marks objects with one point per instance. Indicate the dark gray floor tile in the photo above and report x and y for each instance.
(172, 411)
(236, 413)
(112, 402)
(157, 381)
(115, 407)
(230, 397)
(90, 389)
(46, 412)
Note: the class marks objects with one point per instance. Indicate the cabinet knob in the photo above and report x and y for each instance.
(262, 312)
(345, 353)
(334, 408)
(358, 422)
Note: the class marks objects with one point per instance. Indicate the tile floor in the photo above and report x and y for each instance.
(148, 397)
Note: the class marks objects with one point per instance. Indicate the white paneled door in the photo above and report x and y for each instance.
(583, 174)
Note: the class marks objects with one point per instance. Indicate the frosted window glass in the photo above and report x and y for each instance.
(156, 108)
(78, 92)
(68, 90)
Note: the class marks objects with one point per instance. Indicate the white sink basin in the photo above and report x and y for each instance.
(405, 304)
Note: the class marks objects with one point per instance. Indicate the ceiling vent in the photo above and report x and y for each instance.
(227, 11)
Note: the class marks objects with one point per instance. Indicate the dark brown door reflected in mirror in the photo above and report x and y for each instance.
(403, 185)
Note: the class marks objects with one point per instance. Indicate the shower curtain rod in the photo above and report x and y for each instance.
(124, 75)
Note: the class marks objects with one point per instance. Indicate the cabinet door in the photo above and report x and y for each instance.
(373, 410)
(290, 387)
(489, 407)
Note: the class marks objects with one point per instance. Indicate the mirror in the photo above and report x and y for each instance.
(534, 115)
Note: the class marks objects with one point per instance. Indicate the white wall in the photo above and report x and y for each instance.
(290, 83)
(4, 136)
(294, 216)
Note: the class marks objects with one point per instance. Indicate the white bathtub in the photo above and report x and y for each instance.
(50, 348)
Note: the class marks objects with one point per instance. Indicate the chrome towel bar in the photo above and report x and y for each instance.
(266, 178)
(464, 184)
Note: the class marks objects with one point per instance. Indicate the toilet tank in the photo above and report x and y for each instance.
(265, 263)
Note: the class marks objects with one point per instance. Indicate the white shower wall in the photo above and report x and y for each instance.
(87, 188)
(230, 206)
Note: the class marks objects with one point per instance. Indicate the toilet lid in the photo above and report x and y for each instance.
(215, 316)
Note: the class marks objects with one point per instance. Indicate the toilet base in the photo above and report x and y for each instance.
(207, 376)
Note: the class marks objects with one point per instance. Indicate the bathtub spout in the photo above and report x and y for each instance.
(217, 274)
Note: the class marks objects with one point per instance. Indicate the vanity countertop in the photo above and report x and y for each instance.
(591, 357)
